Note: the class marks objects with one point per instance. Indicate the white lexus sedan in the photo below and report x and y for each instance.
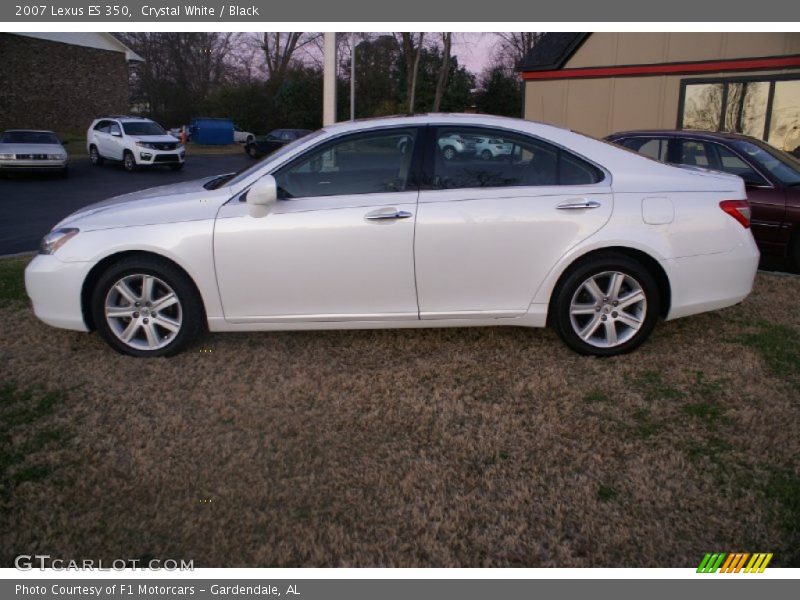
(368, 225)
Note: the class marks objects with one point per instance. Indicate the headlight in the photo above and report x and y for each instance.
(56, 156)
(8, 156)
(145, 145)
(56, 238)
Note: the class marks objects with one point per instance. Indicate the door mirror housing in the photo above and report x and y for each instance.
(264, 192)
(116, 133)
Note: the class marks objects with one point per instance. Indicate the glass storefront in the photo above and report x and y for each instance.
(765, 108)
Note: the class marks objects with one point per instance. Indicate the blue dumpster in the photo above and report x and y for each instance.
(215, 132)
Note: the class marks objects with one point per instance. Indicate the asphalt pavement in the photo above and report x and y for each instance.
(30, 204)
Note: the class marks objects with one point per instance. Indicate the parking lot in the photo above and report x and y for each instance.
(30, 204)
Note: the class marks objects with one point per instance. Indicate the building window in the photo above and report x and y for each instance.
(768, 109)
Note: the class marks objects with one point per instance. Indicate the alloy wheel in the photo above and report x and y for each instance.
(143, 312)
(608, 309)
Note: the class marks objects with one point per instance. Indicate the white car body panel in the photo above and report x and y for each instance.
(466, 257)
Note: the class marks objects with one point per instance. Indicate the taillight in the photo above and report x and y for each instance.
(738, 209)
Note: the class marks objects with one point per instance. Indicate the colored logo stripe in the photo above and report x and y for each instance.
(734, 563)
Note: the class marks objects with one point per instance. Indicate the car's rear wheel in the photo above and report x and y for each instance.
(607, 305)
(94, 156)
(146, 307)
(486, 155)
(449, 153)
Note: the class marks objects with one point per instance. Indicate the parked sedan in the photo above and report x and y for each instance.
(342, 229)
(32, 151)
(772, 177)
(267, 144)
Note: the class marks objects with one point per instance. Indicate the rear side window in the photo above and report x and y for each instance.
(477, 157)
(102, 126)
(694, 153)
(655, 148)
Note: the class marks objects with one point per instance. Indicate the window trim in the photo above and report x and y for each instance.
(414, 176)
(770, 79)
(429, 163)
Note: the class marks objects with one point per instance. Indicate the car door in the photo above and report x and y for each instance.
(489, 231)
(338, 246)
(101, 136)
(114, 141)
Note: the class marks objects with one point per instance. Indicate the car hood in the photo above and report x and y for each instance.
(186, 201)
(32, 149)
(156, 139)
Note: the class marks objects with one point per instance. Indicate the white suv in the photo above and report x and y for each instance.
(135, 142)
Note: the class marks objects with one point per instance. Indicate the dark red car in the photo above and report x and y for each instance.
(772, 177)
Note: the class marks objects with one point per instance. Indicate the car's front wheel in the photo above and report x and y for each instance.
(605, 306)
(129, 161)
(145, 306)
(251, 150)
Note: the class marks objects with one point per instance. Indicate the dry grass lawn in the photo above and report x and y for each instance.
(462, 447)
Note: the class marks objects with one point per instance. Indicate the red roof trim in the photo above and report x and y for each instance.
(740, 64)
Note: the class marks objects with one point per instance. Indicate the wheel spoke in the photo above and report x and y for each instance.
(151, 334)
(125, 291)
(632, 298)
(128, 332)
(611, 332)
(147, 288)
(167, 323)
(629, 320)
(594, 289)
(614, 285)
(119, 312)
(590, 328)
(165, 301)
(583, 309)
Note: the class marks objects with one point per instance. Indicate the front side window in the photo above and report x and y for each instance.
(364, 163)
(472, 158)
(113, 127)
(694, 153)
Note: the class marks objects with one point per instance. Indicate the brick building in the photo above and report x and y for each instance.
(61, 81)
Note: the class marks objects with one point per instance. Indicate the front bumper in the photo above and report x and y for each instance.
(146, 156)
(30, 166)
(54, 288)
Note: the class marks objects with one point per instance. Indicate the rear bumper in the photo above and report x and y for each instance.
(711, 281)
(54, 288)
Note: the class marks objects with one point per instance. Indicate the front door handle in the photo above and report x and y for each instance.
(578, 204)
(392, 213)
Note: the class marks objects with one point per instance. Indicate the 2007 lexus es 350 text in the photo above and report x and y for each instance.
(376, 224)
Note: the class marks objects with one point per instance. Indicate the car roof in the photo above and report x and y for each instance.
(28, 131)
(693, 133)
(122, 118)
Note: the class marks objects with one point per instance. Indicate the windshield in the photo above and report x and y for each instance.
(29, 137)
(243, 174)
(782, 166)
(143, 128)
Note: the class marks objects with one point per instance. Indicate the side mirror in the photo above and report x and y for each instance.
(263, 192)
(116, 133)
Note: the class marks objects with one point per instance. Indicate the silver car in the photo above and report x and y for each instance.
(32, 150)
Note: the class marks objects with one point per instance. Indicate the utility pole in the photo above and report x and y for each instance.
(352, 76)
(329, 81)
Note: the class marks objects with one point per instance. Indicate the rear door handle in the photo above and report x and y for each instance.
(384, 214)
(578, 204)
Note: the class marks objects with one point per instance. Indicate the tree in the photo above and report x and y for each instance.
(411, 54)
(514, 47)
(444, 71)
(499, 93)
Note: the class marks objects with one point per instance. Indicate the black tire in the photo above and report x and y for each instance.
(596, 265)
(250, 139)
(794, 251)
(449, 153)
(486, 155)
(176, 166)
(251, 150)
(129, 162)
(94, 156)
(190, 304)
